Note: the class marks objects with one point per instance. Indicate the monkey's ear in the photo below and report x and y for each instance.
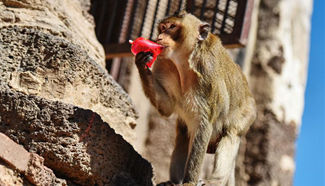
(204, 31)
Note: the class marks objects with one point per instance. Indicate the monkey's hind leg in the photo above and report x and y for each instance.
(224, 162)
(180, 153)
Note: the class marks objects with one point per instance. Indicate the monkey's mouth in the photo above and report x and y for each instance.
(161, 43)
(163, 46)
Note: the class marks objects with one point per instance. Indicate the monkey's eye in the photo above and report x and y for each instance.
(172, 26)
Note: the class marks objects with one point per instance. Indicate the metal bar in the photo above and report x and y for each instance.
(225, 17)
(190, 6)
(239, 19)
(115, 68)
(237, 38)
(154, 19)
(193, 6)
(204, 4)
(168, 8)
(121, 22)
(247, 22)
(130, 27)
(144, 17)
(180, 6)
(215, 16)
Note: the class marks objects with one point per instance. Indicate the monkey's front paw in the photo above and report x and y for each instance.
(142, 58)
(168, 183)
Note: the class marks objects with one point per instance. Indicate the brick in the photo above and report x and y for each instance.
(14, 154)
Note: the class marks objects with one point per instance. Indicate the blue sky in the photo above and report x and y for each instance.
(310, 145)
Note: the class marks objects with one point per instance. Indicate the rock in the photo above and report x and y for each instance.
(13, 153)
(29, 164)
(58, 101)
(38, 174)
(43, 56)
(278, 79)
(67, 19)
(8, 176)
(58, 132)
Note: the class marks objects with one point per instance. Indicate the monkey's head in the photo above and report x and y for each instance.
(180, 33)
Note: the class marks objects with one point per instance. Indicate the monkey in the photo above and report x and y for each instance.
(195, 78)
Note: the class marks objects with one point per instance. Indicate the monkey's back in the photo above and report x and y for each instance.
(223, 85)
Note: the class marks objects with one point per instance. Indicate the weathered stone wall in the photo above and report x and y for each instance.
(44, 49)
(52, 71)
(277, 78)
(59, 133)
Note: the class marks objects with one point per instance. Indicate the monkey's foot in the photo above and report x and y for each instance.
(168, 183)
(200, 183)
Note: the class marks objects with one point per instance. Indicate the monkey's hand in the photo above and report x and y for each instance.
(142, 58)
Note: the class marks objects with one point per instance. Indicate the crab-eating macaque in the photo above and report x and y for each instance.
(195, 78)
